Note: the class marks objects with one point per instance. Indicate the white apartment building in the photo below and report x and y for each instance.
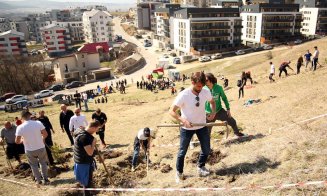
(75, 29)
(98, 26)
(198, 3)
(56, 39)
(314, 21)
(12, 43)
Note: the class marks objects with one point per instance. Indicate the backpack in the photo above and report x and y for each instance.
(239, 83)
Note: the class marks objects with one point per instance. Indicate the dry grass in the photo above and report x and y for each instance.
(294, 154)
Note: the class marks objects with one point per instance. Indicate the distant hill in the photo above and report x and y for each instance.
(37, 5)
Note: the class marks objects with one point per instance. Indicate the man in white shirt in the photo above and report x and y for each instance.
(315, 58)
(84, 95)
(272, 72)
(142, 140)
(33, 134)
(191, 103)
(78, 121)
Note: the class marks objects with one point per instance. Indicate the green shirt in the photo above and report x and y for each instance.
(217, 93)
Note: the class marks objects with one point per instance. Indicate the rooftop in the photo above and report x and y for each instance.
(93, 47)
(94, 12)
(12, 32)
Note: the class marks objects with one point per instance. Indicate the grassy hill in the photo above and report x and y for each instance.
(272, 156)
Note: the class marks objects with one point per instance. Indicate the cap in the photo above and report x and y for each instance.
(25, 114)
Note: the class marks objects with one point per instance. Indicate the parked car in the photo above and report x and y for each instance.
(177, 60)
(43, 93)
(267, 47)
(16, 98)
(137, 36)
(204, 59)
(148, 44)
(118, 38)
(166, 56)
(58, 97)
(298, 41)
(7, 96)
(74, 84)
(56, 87)
(217, 56)
(173, 54)
(21, 104)
(239, 52)
(168, 49)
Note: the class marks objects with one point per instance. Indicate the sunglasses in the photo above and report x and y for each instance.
(197, 98)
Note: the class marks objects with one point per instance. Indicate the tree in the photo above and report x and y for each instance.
(23, 75)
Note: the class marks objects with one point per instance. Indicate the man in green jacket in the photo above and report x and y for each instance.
(221, 114)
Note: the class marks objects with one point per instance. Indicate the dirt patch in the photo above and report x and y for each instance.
(54, 171)
(111, 154)
(214, 157)
(166, 168)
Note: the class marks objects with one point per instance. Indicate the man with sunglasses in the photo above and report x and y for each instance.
(191, 103)
(78, 121)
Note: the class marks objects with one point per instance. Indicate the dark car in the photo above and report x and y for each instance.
(56, 87)
(7, 96)
(58, 97)
(74, 84)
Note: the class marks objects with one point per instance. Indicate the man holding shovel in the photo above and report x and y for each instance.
(143, 140)
(191, 103)
(84, 151)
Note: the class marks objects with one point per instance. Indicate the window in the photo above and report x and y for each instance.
(2, 39)
(66, 68)
(82, 55)
(83, 64)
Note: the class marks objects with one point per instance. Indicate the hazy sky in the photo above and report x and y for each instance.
(101, 1)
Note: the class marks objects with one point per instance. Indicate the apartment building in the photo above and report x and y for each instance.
(56, 40)
(21, 26)
(4, 24)
(60, 15)
(36, 22)
(145, 15)
(226, 3)
(202, 31)
(312, 3)
(270, 23)
(12, 43)
(75, 29)
(80, 66)
(98, 26)
(314, 21)
(198, 3)
(162, 33)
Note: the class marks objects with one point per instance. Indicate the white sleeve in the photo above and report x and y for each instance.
(41, 126)
(208, 95)
(18, 131)
(86, 123)
(71, 124)
(179, 101)
(140, 133)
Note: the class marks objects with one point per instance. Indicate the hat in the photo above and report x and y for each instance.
(146, 132)
(25, 114)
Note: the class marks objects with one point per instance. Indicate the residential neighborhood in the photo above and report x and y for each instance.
(163, 97)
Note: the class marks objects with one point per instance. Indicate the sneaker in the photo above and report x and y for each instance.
(38, 183)
(240, 135)
(191, 146)
(133, 169)
(179, 177)
(46, 182)
(203, 172)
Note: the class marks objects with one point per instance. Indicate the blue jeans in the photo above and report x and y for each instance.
(137, 146)
(185, 138)
(85, 105)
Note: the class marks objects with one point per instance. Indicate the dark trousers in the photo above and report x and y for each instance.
(298, 68)
(137, 145)
(223, 116)
(250, 78)
(185, 139)
(281, 71)
(69, 135)
(14, 150)
(101, 135)
(314, 64)
(78, 104)
(241, 92)
(271, 77)
(49, 144)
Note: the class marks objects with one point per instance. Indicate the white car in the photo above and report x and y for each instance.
(204, 59)
(239, 52)
(44, 93)
(298, 41)
(166, 56)
(217, 56)
(16, 98)
(168, 49)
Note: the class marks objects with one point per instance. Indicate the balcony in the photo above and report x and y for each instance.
(197, 28)
(198, 44)
(277, 20)
(110, 24)
(277, 27)
(238, 26)
(210, 35)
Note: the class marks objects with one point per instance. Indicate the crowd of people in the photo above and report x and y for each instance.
(154, 85)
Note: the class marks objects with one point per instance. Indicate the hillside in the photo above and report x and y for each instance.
(274, 154)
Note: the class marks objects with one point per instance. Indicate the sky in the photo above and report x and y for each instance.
(101, 1)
